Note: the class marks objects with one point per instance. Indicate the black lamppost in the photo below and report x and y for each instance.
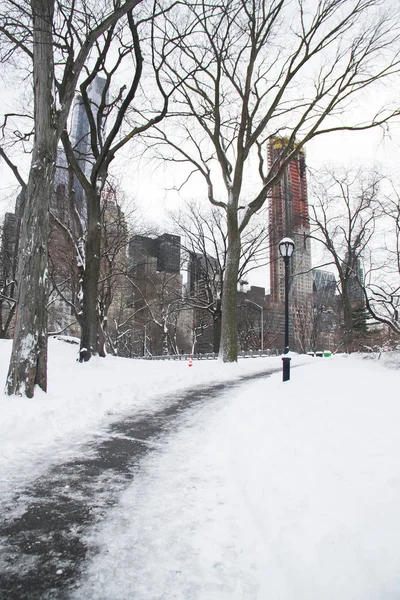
(286, 247)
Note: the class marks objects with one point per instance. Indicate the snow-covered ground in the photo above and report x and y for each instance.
(83, 399)
(274, 491)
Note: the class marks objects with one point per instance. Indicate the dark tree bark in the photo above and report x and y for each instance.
(32, 35)
(229, 333)
(90, 319)
(28, 365)
(217, 322)
(348, 334)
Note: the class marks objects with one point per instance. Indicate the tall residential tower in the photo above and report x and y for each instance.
(288, 217)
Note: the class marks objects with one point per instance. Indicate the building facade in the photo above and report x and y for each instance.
(288, 217)
(154, 267)
(324, 289)
(352, 267)
(326, 321)
(149, 255)
(203, 294)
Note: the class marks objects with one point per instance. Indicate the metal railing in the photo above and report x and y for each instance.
(209, 355)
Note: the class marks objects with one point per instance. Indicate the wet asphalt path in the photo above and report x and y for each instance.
(42, 546)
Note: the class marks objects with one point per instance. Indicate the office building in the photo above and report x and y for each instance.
(154, 266)
(324, 289)
(204, 296)
(204, 276)
(354, 273)
(151, 255)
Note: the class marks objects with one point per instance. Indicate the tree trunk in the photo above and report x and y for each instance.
(102, 338)
(28, 364)
(217, 329)
(229, 333)
(90, 317)
(347, 319)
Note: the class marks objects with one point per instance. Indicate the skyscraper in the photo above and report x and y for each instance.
(9, 246)
(80, 127)
(204, 276)
(169, 253)
(288, 217)
(352, 267)
(324, 289)
(80, 136)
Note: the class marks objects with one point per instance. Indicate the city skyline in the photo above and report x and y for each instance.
(154, 202)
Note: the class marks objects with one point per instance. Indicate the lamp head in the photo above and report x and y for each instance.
(286, 247)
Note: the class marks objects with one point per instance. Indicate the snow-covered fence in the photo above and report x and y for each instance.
(209, 355)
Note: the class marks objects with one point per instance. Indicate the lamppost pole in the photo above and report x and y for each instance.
(262, 330)
(286, 247)
(286, 261)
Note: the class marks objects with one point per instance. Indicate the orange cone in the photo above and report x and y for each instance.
(190, 364)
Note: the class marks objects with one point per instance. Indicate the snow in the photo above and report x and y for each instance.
(276, 490)
(83, 398)
(27, 346)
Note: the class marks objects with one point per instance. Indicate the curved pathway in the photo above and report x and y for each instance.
(42, 546)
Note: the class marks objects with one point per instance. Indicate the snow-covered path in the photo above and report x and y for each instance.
(269, 495)
(176, 531)
(281, 491)
(43, 547)
(84, 399)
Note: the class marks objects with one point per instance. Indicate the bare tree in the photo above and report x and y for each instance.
(343, 218)
(158, 304)
(34, 29)
(382, 287)
(250, 327)
(383, 303)
(304, 325)
(205, 242)
(65, 271)
(115, 118)
(114, 240)
(252, 70)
